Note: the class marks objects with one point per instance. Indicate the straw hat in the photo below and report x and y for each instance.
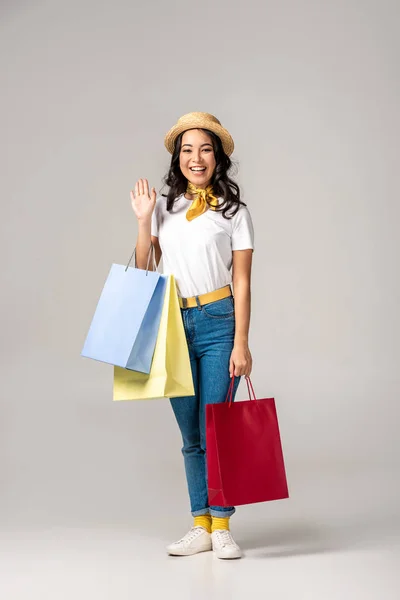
(199, 120)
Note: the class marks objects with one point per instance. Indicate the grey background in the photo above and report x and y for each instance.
(310, 92)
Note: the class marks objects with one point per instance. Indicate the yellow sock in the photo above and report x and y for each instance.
(220, 523)
(203, 521)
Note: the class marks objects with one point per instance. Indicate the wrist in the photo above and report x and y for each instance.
(241, 340)
(144, 224)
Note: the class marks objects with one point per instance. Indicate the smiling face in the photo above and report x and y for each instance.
(196, 158)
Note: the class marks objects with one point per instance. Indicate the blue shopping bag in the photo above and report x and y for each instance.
(125, 325)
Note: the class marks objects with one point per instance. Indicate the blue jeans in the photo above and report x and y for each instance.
(210, 331)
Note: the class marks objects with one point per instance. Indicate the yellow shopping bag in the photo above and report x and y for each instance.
(170, 375)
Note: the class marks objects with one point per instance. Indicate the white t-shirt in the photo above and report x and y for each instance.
(199, 252)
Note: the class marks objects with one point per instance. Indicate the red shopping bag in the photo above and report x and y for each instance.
(244, 453)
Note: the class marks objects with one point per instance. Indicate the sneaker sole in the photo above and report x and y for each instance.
(227, 557)
(189, 552)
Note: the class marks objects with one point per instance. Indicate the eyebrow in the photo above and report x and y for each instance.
(205, 144)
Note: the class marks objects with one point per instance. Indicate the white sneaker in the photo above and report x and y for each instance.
(224, 545)
(196, 540)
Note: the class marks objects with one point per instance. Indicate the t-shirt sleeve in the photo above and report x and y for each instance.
(242, 230)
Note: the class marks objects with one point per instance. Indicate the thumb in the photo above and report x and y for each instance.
(153, 194)
(231, 368)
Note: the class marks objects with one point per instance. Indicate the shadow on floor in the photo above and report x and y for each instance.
(306, 537)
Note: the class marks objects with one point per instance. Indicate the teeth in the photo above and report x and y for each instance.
(197, 168)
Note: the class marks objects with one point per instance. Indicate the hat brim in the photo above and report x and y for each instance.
(224, 135)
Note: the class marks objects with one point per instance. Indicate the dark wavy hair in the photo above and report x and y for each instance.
(223, 185)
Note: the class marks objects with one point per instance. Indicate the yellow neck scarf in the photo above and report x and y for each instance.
(204, 198)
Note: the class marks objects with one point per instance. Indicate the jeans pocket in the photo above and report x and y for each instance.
(220, 309)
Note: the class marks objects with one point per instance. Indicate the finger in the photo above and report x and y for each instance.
(153, 194)
(136, 188)
(231, 368)
(145, 187)
(140, 187)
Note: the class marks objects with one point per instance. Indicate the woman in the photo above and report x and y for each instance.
(204, 233)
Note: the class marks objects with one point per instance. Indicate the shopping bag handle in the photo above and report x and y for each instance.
(152, 253)
(249, 387)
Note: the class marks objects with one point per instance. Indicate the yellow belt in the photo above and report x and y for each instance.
(224, 292)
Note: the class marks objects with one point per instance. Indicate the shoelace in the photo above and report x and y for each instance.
(191, 535)
(225, 538)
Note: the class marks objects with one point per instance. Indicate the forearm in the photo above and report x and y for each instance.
(143, 245)
(242, 293)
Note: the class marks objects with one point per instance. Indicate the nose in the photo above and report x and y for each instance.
(196, 156)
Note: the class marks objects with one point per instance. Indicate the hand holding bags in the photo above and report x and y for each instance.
(124, 328)
(171, 374)
(244, 453)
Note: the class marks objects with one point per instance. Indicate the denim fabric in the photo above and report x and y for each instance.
(210, 331)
